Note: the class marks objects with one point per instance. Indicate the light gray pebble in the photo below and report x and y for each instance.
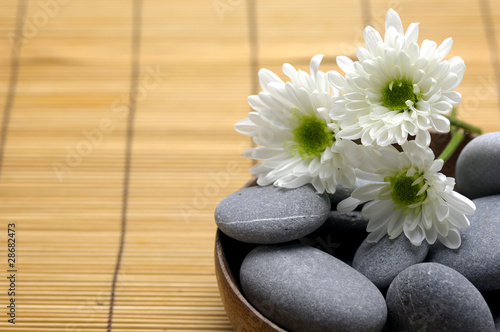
(270, 214)
(431, 297)
(477, 171)
(381, 262)
(478, 257)
(302, 288)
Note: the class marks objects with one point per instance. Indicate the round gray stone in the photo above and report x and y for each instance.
(270, 214)
(346, 221)
(431, 297)
(381, 262)
(340, 235)
(478, 258)
(477, 171)
(302, 288)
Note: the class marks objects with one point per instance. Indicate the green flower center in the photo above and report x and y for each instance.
(396, 93)
(403, 193)
(311, 137)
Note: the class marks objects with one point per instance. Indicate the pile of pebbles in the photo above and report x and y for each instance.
(312, 269)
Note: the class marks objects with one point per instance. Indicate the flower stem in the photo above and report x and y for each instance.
(457, 135)
(468, 127)
(456, 138)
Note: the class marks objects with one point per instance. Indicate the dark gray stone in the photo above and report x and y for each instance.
(346, 221)
(431, 297)
(301, 288)
(496, 317)
(271, 214)
(478, 258)
(493, 300)
(340, 235)
(381, 262)
(477, 171)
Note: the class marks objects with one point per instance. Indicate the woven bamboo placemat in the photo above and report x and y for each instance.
(112, 197)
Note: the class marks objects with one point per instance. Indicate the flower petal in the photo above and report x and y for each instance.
(246, 127)
(444, 48)
(315, 61)
(416, 235)
(452, 240)
(348, 204)
(460, 203)
(392, 19)
(372, 37)
(411, 34)
(346, 64)
(266, 76)
(337, 80)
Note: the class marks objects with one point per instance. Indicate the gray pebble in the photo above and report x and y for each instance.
(346, 221)
(381, 262)
(431, 297)
(478, 167)
(270, 214)
(478, 258)
(301, 288)
(340, 235)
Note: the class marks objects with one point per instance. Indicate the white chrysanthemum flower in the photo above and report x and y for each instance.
(410, 195)
(297, 137)
(396, 89)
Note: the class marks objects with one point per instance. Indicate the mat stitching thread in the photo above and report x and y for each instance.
(136, 44)
(254, 53)
(14, 70)
(489, 30)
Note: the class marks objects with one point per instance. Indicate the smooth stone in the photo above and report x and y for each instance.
(340, 244)
(381, 262)
(477, 172)
(342, 192)
(478, 257)
(302, 288)
(429, 297)
(340, 235)
(267, 215)
(346, 221)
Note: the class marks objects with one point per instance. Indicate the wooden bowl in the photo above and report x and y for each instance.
(229, 254)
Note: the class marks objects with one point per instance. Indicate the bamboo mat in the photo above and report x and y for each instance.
(112, 197)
